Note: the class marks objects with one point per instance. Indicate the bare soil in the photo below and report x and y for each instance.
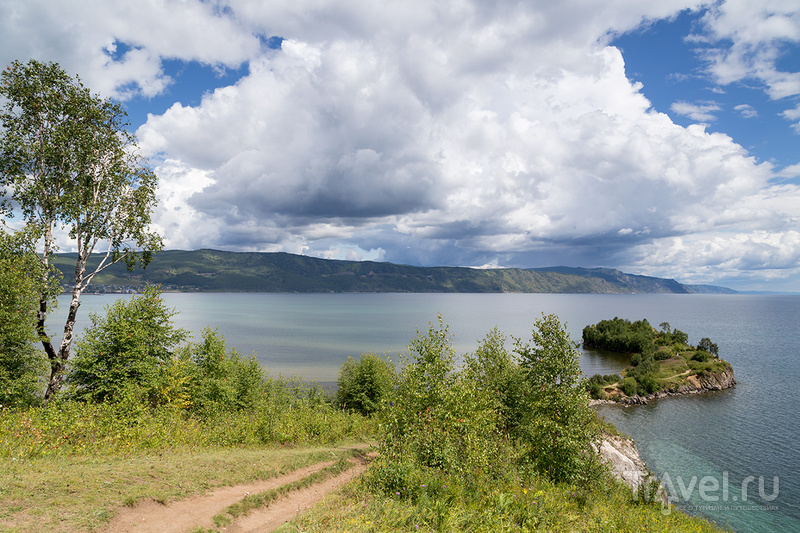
(197, 512)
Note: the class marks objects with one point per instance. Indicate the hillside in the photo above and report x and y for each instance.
(213, 270)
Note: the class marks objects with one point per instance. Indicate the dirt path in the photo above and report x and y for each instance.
(187, 515)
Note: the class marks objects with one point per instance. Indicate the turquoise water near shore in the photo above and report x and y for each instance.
(729, 456)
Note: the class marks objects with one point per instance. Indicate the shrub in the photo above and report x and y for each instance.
(559, 431)
(131, 346)
(629, 386)
(662, 355)
(499, 375)
(364, 385)
(439, 418)
(21, 364)
(646, 383)
(221, 379)
(608, 379)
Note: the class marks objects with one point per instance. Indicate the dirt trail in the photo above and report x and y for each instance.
(187, 515)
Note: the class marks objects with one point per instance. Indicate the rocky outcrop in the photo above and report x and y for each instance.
(696, 384)
(716, 381)
(623, 458)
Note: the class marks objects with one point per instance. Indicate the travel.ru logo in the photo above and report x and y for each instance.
(718, 493)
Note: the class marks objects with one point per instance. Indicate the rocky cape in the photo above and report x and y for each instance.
(696, 384)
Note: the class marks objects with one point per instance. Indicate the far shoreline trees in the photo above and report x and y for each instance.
(68, 165)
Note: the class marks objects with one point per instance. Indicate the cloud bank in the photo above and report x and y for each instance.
(443, 133)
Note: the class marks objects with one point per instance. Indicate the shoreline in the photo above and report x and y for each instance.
(713, 383)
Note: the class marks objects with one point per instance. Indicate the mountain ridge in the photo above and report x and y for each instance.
(220, 271)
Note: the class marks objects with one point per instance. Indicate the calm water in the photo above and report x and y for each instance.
(708, 447)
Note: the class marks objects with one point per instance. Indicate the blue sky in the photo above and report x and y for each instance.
(669, 64)
(659, 138)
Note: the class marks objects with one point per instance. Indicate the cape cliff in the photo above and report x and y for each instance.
(622, 456)
(697, 384)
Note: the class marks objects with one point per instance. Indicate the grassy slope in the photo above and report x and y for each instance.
(87, 490)
(80, 493)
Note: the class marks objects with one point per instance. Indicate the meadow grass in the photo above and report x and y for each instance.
(538, 505)
(68, 466)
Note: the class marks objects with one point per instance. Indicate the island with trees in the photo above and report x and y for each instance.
(662, 363)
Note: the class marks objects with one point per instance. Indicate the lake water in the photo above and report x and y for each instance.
(730, 456)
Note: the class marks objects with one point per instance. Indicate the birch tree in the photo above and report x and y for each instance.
(70, 169)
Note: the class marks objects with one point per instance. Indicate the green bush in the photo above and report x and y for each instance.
(629, 386)
(559, 432)
(608, 379)
(21, 364)
(499, 375)
(219, 379)
(133, 345)
(440, 418)
(364, 385)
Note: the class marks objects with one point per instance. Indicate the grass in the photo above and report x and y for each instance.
(81, 493)
(263, 499)
(539, 506)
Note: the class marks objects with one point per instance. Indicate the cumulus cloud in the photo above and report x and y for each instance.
(118, 47)
(467, 133)
(760, 34)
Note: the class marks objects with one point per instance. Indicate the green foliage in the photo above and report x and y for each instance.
(620, 335)
(498, 374)
(595, 384)
(708, 346)
(67, 428)
(133, 345)
(629, 386)
(439, 418)
(219, 379)
(608, 379)
(559, 431)
(22, 279)
(364, 385)
(67, 161)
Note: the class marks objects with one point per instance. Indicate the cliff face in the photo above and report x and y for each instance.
(715, 381)
(623, 457)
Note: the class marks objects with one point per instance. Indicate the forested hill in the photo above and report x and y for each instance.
(213, 270)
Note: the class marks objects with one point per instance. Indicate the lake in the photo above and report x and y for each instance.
(729, 456)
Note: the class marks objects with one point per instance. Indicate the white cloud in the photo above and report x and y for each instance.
(759, 33)
(434, 132)
(117, 47)
(791, 171)
(698, 112)
(793, 115)
(746, 110)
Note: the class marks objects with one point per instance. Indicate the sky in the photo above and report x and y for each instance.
(659, 138)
